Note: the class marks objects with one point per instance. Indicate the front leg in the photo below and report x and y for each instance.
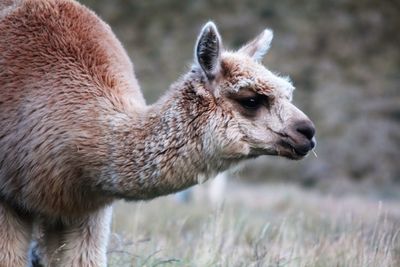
(15, 236)
(86, 242)
(80, 243)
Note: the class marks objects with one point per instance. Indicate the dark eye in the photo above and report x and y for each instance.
(251, 103)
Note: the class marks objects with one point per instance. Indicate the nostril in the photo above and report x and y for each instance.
(307, 129)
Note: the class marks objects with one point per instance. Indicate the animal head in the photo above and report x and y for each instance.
(252, 113)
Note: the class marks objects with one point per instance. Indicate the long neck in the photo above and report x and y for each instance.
(161, 152)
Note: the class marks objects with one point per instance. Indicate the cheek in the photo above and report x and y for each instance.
(234, 141)
(261, 130)
(260, 133)
(230, 139)
(233, 131)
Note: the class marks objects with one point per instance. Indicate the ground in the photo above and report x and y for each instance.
(258, 225)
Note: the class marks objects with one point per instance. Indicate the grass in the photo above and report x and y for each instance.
(273, 225)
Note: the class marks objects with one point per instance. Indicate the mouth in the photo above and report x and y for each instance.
(286, 151)
(286, 147)
(256, 152)
(295, 152)
(283, 149)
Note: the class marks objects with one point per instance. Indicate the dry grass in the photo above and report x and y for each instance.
(275, 225)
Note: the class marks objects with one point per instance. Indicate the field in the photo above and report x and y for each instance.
(258, 225)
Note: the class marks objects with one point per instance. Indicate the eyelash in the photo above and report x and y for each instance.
(252, 103)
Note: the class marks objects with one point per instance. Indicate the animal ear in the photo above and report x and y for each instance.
(208, 50)
(258, 47)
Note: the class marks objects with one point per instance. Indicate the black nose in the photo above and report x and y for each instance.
(306, 128)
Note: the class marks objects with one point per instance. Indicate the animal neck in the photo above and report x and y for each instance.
(162, 151)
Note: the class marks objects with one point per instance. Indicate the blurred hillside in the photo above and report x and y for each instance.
(343, 57)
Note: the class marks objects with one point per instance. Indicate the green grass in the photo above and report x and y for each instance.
(275, 225)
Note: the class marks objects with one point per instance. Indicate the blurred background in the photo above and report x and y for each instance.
(343, 57)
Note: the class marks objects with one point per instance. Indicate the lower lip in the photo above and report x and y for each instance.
(300, 154)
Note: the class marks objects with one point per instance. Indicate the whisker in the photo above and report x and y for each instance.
(315, 153)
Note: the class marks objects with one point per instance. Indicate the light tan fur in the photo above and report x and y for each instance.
(76, 133)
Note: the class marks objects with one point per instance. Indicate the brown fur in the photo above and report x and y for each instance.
(76, 133)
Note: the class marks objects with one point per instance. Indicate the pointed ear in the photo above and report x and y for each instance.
(258, 47)
(207, 52)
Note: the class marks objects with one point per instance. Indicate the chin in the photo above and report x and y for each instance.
(257, 152)
(292, 155)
